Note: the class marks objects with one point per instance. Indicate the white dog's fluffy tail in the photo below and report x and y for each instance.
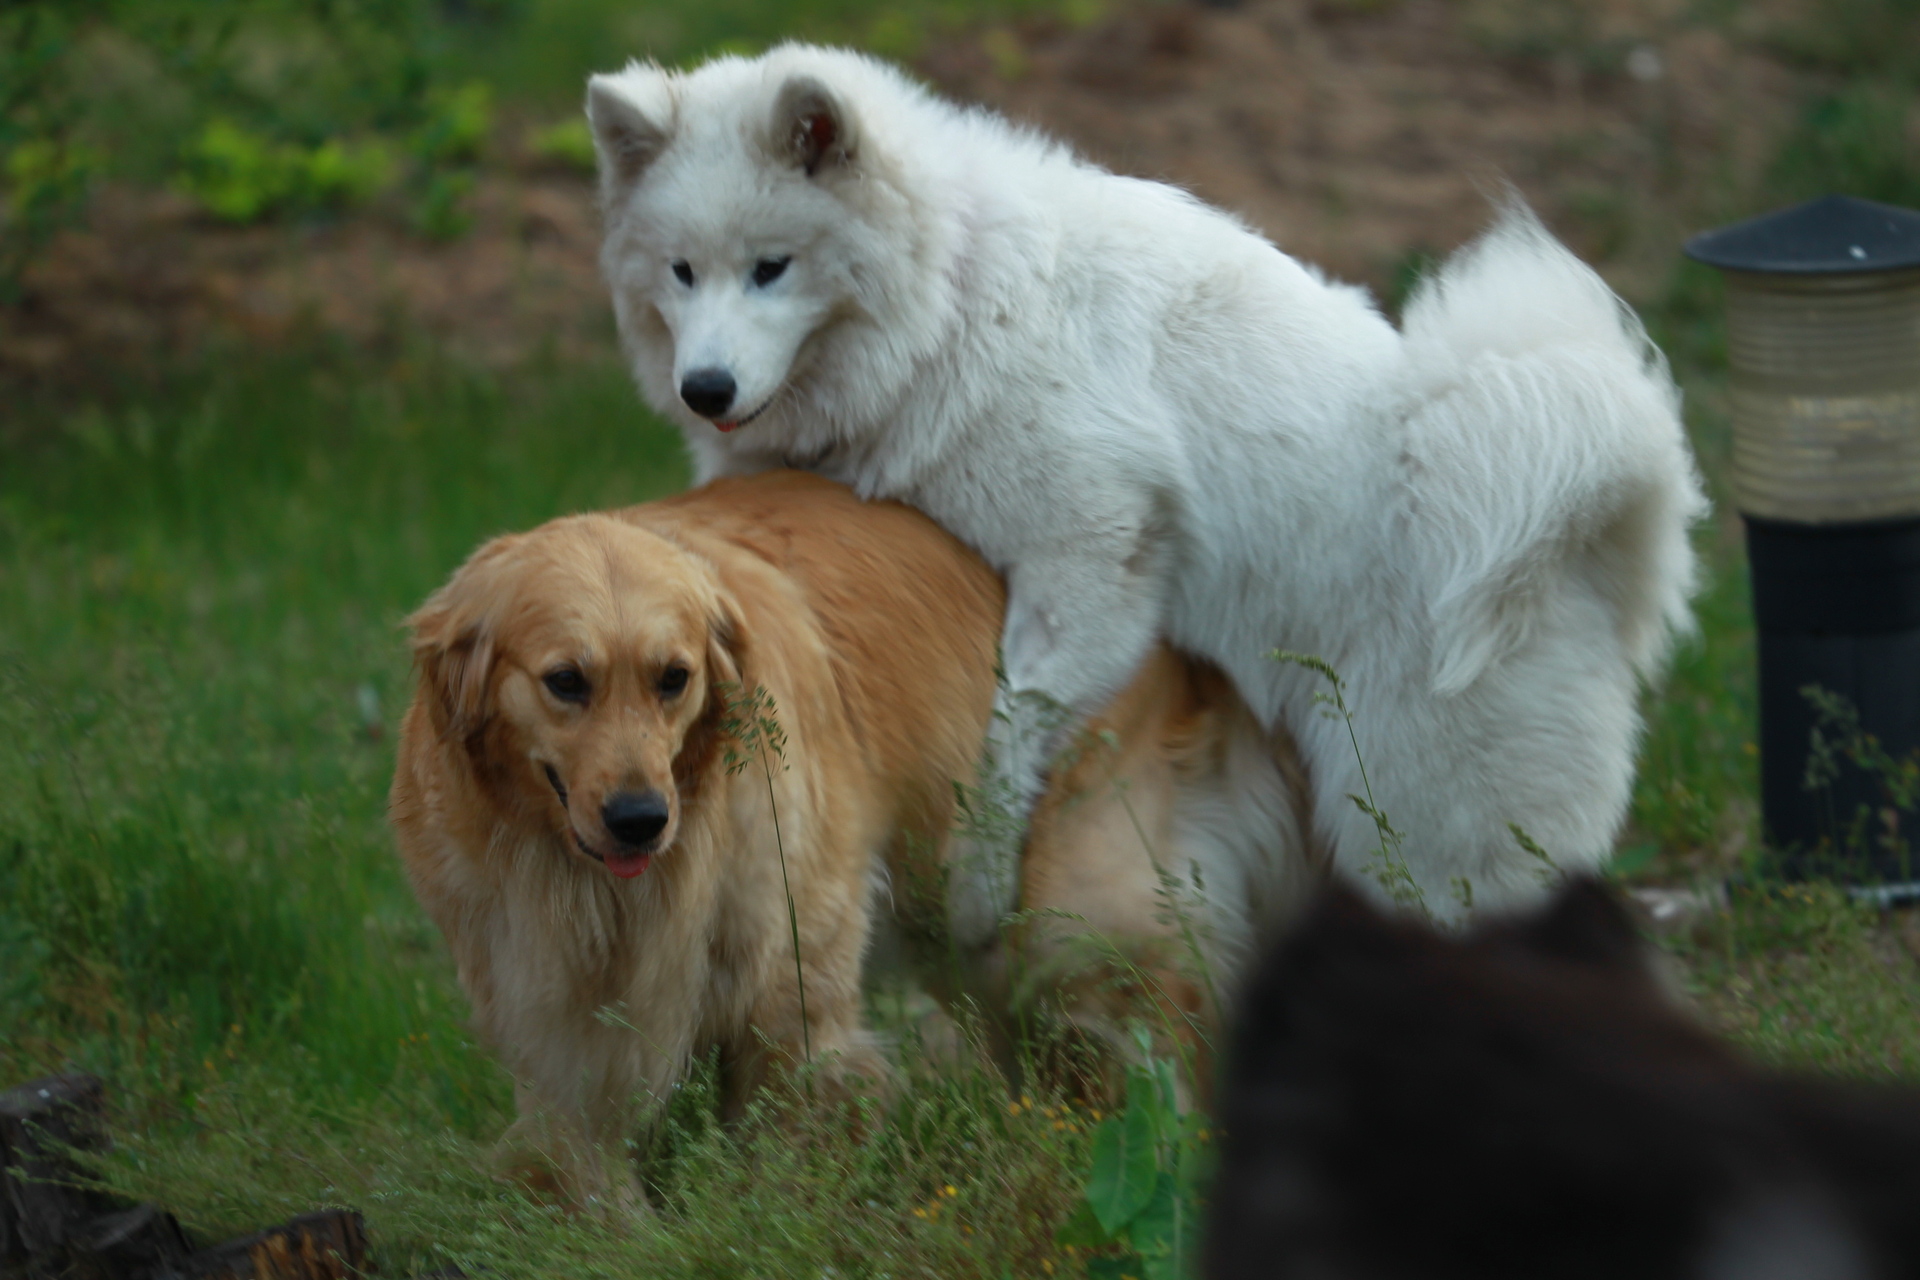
(1545, 453)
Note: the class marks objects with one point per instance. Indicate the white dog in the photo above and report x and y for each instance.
(1150, 419)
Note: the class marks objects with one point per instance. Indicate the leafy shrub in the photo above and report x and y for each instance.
(240, 176)
(46, 184)
(45, 170)
(438, 214)
(456, 126)
(569, 142)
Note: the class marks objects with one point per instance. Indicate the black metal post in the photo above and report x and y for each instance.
(1837, 608)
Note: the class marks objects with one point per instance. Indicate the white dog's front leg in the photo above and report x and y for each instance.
(1077, 629)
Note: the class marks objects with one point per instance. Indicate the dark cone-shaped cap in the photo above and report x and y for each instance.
(1828, 236)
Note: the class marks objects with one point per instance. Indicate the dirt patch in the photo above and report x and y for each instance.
(1354, 137)
(149, 280)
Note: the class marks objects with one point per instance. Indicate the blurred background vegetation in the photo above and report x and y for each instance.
(204, 557)
(258, 108)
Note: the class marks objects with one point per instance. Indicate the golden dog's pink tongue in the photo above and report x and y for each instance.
(627, 865)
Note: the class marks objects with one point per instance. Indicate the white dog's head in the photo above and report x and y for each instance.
(743, 213)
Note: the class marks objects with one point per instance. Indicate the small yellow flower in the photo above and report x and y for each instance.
(1046, 1265)
(1013, 1108)
(1026, 1102)
(919, 1213)
(949, 1190)
(1096, 1113)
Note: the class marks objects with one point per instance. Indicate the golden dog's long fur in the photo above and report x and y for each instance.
(603, 662)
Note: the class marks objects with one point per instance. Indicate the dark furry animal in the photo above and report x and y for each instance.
(1525, 1101)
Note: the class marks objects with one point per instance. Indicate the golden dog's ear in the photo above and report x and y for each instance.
(726, 642)
(698, 758)
(453, 644)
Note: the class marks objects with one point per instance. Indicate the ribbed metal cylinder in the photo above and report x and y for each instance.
(1825, 391)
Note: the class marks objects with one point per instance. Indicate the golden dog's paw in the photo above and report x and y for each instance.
(574, 1177)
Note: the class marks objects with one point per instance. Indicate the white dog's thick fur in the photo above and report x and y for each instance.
(1150, 419)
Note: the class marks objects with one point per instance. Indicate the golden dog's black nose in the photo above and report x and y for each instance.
(635, 817)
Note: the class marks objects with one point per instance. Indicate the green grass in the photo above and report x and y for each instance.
(200, 669)
(1799, 974)
(1695, 795)
(955, 1181)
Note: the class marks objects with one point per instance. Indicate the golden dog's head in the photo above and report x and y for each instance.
(583, 669)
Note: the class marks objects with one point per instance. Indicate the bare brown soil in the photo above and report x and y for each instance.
(1354, 134)
(149, 279)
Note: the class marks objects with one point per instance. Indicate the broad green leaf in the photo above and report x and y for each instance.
(1155, 1229)
(1163, 1232)
(1083, 1229)
(1194, 1163)
(1123, 1268)
(1144, 1095)
(1124, 1168)
(1167, 1093)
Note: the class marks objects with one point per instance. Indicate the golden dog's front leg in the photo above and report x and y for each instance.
(562, 1156)
(829, 1057)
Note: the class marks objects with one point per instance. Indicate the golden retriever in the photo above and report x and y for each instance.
(651, 751)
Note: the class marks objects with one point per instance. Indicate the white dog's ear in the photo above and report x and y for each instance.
(812, 127)
(631, 114)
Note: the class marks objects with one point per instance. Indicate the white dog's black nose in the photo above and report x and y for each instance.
(708, 392)
(635, 818)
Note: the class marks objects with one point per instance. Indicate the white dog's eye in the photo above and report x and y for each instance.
(767, 270)
(683, 272)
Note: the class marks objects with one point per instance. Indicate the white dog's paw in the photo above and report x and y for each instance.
(983, 859)
(1027, 724)
(983, 886)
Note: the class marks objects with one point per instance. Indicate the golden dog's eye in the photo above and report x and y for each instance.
(566, 684)
(673, 680)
